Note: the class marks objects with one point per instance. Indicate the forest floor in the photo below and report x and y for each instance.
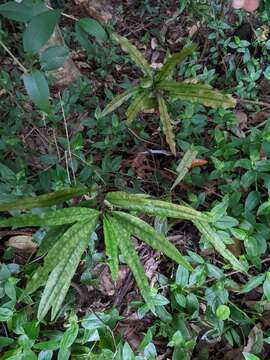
(231, 169)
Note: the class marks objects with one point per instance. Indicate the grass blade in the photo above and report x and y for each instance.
(183, 167)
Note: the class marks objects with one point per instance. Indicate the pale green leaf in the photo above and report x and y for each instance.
(50, 218)
(133, 261)
(39, 30)
(69, 336)
(118, 100)
(253, 283)
(171, 63)
(249, 356)
(110, 239)
(37, 89)
(166, 124)
(183, 167)
(214, 239)
(43, 200)
(67, 262)
(199, 93)
(136, 107)
(154, 207)
(150, 236)
(134, 53)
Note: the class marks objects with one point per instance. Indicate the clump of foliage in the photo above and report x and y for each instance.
(153, 90)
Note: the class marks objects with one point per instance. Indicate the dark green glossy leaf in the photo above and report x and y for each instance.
(93, 27)
(37, 89)
(53, 57)
(39, 30)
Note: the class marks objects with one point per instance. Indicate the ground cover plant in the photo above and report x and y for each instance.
(140, 231)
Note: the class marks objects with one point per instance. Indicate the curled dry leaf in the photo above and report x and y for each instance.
(198, 162)
(99, 10)
(22, 242)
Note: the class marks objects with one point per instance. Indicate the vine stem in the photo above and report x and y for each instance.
(24, 70)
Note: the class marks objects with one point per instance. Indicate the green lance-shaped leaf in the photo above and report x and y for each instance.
(43, 200)
(39, 30)
(110, 239)
(37, 89)
(50, 238)
(183, 167)
(50, 218)
(150, 104)
(154, 207)
(133, 261)
(67, 262)
(171, 63)
(213, 238)
(150, 236)
(51, 260)
(199, 93)
(118, 100)
(93, 28)
(166, 124)
(133, 52)
(136, 107)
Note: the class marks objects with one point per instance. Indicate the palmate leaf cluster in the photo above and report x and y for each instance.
(154, 89)
(71, 230)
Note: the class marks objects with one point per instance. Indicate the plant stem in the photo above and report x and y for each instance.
(24, 70)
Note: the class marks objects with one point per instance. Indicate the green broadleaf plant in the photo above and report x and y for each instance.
(75, 225)
(154, 89)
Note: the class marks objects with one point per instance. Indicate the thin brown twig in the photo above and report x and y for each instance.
(24, 70)
(68, 142)
(254, 102)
